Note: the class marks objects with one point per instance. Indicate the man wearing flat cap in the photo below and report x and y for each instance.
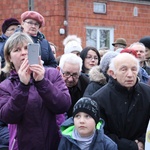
(8, 28)
(32, 21)
(119, 43)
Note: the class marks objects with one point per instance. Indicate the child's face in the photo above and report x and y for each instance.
(84, 124)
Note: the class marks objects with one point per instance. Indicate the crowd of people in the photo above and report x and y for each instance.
(85, 99)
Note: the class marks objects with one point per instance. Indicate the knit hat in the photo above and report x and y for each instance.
(120, 41)
(146, 41)
(88, 106)
(106, 59)
(8, 22)
(33, 15)
(130, 51)
(72, 43)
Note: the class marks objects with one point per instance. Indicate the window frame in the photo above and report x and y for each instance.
(111, 39)
(145, 2)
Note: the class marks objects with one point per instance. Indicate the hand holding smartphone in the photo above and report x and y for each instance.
(33, 53)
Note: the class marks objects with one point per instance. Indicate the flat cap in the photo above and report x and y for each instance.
(121, 41)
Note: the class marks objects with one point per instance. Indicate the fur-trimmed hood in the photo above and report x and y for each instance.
(95, 74)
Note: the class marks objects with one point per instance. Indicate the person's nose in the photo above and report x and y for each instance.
(129, 73)
(82, 119)
(24, 51)
(92, 59)
(138, 53)
(70, 78)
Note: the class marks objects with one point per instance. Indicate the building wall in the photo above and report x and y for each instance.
(80, 14)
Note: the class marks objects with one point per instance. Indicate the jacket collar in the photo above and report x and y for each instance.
(119, 87)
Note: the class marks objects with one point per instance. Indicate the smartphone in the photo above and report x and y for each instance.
(33, 53)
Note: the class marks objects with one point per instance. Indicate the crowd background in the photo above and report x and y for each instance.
(121, 72)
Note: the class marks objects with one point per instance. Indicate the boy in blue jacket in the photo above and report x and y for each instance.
(84, 131)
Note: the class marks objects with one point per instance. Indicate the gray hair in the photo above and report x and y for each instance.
(70, 58)
(137, 43)
(18, 38)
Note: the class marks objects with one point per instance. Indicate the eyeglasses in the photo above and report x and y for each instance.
(68, 75)
(32, 23)
(11, 30)
(91, 58)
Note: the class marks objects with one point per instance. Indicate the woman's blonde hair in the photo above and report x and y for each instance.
(18, 38)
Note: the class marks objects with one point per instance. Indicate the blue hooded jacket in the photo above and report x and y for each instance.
(100, 140)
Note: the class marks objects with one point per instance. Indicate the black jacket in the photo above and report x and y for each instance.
(97, 80)
(126, 112)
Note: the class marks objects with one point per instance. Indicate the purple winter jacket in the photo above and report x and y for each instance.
(30, 110)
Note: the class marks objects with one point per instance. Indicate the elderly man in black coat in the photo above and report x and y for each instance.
(125, 104)
(70, 66)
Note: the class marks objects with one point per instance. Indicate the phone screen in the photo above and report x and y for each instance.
(33, 53)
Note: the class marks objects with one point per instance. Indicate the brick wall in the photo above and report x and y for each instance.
(80, 14)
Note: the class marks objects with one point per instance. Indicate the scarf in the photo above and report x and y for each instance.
(83, 142)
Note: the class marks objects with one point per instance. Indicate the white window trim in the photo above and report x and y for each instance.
(132, 1)
(111, 29)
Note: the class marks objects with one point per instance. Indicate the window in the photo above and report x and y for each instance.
(134, 1)
(99, 37)
(99, 8)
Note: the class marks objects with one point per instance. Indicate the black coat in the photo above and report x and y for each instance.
(126, 112)
(97, 80)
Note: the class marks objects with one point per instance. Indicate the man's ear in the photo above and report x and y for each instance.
(58, 68)
(111, 73)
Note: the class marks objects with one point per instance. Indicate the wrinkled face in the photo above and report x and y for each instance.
(126, 71)
(117, 46)
(91, 59)
(30, 26)
(10, 30)
(140, 52)
(84, 124)
(18, 54)
(71, 74)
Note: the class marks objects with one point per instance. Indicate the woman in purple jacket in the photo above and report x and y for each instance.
(30, 98)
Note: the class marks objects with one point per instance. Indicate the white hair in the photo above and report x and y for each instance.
(112, 63)
(70, 58)
(137, 43)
